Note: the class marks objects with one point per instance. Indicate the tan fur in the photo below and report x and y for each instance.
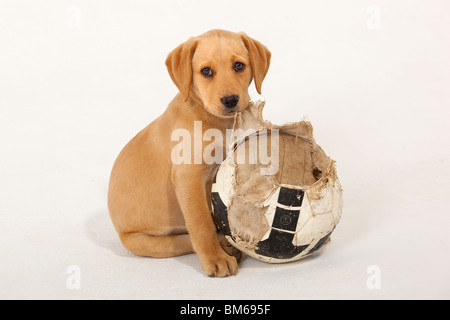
(161, 209)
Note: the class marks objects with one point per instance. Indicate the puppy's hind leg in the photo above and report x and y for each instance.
(147, 245)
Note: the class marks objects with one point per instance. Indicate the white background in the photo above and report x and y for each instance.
(78, 79)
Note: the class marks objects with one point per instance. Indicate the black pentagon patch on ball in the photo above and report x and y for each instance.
(285, 219)
(291, 197)
(221, 214)
(279, 245)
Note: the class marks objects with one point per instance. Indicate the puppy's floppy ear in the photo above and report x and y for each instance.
(179, 65)
(259, 58)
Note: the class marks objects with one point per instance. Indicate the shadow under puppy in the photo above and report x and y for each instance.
(162, 209)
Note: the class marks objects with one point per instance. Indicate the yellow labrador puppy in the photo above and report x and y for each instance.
(160, 208)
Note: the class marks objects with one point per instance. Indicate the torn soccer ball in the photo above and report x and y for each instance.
(276, 196)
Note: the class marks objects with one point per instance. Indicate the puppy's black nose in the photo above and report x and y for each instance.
(230, 101)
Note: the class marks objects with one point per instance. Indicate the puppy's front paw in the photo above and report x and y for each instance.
(219, 265)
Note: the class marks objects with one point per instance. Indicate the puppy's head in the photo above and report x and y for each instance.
(218, 67)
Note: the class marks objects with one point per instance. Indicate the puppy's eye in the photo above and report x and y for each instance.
(238, 66)
(207, 72)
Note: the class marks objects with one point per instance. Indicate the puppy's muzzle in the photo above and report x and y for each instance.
(230, 101)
